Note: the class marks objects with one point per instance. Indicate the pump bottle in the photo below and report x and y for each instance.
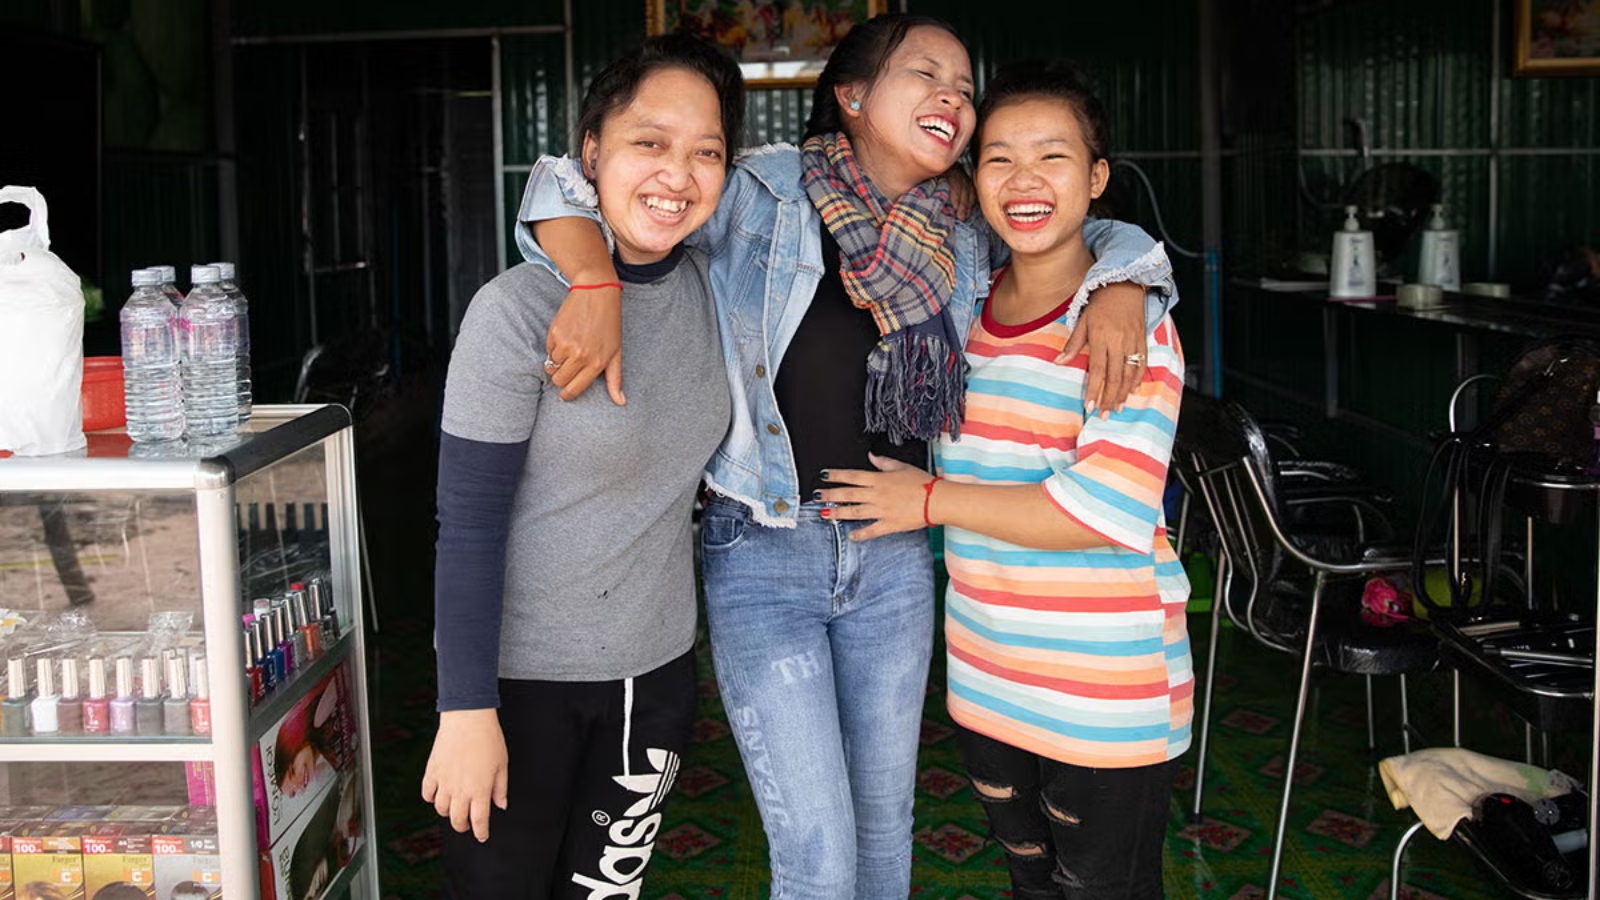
(1353, 270)
(1441, 253)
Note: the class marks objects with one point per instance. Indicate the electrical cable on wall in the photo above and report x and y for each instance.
(1212, 290)
(1155, 205)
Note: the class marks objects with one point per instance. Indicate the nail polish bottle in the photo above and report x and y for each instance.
(269, 663)
(274, 642)
(327, 616)
(175, 707)
(252, 668)
(69, 712)
(97, 709)
(46, 702)
(147, 709)
(14, 718)
(200, 706)
(280, 620)
(296, 634)
(306, 625)
(123, 720)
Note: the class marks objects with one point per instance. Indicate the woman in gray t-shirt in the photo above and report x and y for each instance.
(565, 594)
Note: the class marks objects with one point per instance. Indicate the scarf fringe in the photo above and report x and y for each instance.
(916, 388)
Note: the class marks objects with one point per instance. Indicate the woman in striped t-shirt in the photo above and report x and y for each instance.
(1069, 666)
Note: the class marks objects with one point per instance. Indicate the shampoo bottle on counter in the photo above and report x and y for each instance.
(1353, 270)
(1441, 253)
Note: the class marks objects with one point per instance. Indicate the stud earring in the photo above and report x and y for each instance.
(855, 105)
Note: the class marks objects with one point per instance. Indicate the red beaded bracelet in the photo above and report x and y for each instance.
(927, 498)
(596, 287)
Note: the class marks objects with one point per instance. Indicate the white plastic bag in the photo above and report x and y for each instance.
(41, 338)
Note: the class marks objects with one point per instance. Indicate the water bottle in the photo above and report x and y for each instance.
(169, 283)
(241, 304)
(210, 369)
(151, 385)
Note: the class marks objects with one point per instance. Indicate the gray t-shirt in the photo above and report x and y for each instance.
(599, 558)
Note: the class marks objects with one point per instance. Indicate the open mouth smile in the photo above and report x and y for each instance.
(665, 208)
(1028, 214)
(939, 127)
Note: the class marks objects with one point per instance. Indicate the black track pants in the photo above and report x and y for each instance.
(590, 764)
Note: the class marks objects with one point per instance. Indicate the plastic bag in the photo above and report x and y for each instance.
(41, 338)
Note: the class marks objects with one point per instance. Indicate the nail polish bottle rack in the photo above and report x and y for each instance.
(226, 550)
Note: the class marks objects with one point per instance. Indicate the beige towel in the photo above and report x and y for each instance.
(1441, 783)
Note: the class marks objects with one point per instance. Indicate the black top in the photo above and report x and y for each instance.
(645, 273)
(822, 385)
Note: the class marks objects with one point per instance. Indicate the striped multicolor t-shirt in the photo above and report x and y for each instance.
(1080, 656)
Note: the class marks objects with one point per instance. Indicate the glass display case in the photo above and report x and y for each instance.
(184, 696)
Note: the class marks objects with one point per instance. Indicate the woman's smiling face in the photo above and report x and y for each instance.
(917, 115)
(1036, 175)
(658, 164)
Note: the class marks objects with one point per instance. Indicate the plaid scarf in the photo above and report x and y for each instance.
(896, 261)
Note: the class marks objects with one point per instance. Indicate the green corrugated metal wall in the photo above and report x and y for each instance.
(1422, 74)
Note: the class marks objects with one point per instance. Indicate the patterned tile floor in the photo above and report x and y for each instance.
(1342, 829)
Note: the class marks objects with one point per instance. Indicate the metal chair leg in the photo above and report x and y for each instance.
(1405, 715)
(1207, 692)
(1183, 521)
(1399, 853)
(1372, 728)
(1294, 739)
(1455, 707)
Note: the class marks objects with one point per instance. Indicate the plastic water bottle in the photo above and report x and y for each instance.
(210, 367)
(151, 385)
(241, 309)
(169, 284)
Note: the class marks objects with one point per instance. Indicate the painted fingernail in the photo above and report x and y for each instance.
(816, 495)
(1089, 406)
(826, 513)
(824, 475)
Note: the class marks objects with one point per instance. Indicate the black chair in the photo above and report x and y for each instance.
(1293, 589)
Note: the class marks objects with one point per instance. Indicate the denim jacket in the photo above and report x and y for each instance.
(765, 245)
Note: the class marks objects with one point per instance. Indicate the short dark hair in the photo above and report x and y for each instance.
(1054, 79)
(616, 85)
(860, 57)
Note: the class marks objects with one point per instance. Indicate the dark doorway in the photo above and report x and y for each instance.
(366, 196)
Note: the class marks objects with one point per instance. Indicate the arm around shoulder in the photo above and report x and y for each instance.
(1124, 252)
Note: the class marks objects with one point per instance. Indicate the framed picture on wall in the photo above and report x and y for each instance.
(1557, 37)
(779, 43)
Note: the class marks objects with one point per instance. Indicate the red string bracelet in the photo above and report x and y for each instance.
(596, 287)
(927, 498)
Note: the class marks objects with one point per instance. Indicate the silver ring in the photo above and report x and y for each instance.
(551, 365)
(1134, 359)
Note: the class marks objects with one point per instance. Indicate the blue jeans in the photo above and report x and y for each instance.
(821, 647)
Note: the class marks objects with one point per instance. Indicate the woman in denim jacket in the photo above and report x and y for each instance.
(840, 341)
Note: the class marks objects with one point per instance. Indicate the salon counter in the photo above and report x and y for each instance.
(1365, 380)
(1465, 320)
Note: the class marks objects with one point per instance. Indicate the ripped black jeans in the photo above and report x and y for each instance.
(1069, 831)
